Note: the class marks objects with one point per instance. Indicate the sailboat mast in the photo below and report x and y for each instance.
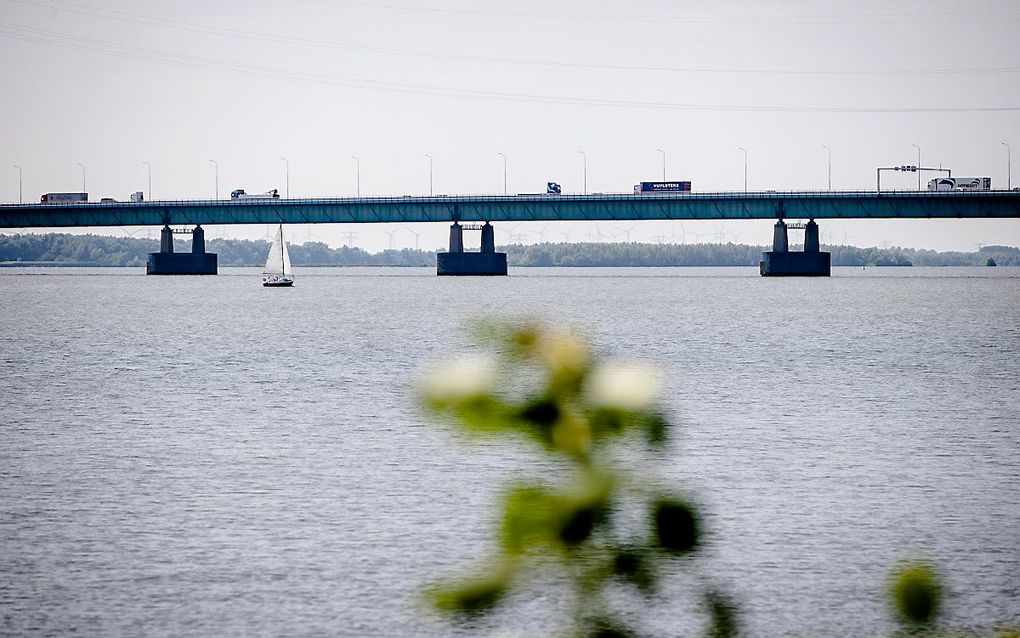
(283, 262)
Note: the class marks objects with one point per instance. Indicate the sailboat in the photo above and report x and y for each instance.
(278, 271)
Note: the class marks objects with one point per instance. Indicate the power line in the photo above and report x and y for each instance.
(928, 17)
(64, 40)
(135, 18)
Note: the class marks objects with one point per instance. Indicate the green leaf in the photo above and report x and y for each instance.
(676, 524)
(608, 421)
(916, 593)
(635, 566)
(577, 525)
(529, 519)
(543, 413)
(536, 517)
(656, 429)
(607, 627)
(723, 613)
(473, 596)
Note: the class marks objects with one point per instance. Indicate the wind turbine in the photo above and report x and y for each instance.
(417, 235)
(723, 236)
(683, 232)
(846, 237)
(697, 236)
(510, 235)
(626, 231)
(131, 233)
(720, 234)
(391, 233)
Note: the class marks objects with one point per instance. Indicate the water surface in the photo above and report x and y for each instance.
(202, 456)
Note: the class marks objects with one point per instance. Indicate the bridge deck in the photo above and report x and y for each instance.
(497, 208)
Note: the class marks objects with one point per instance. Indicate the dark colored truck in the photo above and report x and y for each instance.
(645, 188)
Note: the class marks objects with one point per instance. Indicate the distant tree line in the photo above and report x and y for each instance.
(635, 254)
(101, 250)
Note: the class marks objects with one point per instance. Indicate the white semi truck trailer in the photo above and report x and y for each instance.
(960, 184)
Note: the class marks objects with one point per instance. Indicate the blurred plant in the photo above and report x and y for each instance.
(549, 387)
(915, 593)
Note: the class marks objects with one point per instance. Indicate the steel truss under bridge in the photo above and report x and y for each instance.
(520, 208)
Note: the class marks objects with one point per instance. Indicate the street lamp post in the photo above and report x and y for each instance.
(429, 157)
(357, 174)
(830, 165)
(216, 174)
(83, 189)
(148, 195)
(585, 171)
(503, 155)
(918, 165)
(745, 166)
(1009, 166)
(20, 200)
(663, 163)
(286, 163)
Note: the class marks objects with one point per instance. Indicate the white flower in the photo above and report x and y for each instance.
(630, 386)
(563, 352)
(460, 378)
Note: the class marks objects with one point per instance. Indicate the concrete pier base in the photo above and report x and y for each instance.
(493, 264)
(486, 262)
(781, 262)
(794, 264)
(167, 262)
(181, 264)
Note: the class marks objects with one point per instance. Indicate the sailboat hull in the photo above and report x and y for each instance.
(277, 281)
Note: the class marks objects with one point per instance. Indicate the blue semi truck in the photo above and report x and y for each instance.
(648, 188)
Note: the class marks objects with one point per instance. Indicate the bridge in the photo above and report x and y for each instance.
(809, 205)
(517, 208)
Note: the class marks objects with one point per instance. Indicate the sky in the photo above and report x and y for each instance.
(114, 84)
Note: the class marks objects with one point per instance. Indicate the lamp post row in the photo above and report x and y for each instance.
(148, 194)
(1009, 166)
(504, 171)
(741, 148)
(918, 165)
(830, 166)
(584, 157)
(216, 167)
(20, 198)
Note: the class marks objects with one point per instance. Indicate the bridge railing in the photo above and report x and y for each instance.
(490, 197)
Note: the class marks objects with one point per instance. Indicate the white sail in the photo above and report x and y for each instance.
(278, 262)
(287, 270)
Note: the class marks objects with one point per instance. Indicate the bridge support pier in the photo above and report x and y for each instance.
(782, 262)
(486, 262)
(167, 262)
